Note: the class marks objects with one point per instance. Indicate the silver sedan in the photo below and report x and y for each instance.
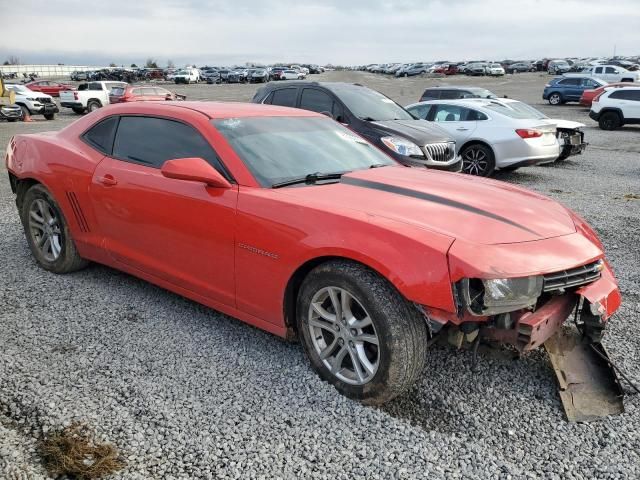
(491, 136)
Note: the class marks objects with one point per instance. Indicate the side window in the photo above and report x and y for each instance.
(633, 95)
(100, 136)
(587, 82)
(449, 113)
(598, 70)
(152, 141)
(269, 99)
(95, 86)
(148, 92)
(610, 70)
(619, 94)
(626, 94)
(430, 95)
(570, 81)
(474, 115)
(161, 92)
(316, 101)
(450, 94)
(136, 92)
(285, 97)
(420, 111)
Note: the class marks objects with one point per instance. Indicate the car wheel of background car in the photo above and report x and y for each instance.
(478, 159)
(79, 111)
(406, 75)
(25, 111)
(93, 105)
(47, 232)
(359, 333)
(49, 116)
(555, 99)
(609, 121)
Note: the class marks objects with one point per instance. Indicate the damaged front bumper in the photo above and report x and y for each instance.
(528, 330)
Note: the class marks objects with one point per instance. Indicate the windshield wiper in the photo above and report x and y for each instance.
(310, 179)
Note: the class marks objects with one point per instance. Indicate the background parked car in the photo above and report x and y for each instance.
(49, 87)
(259, 75)
(291, 75)
(187, 75)
(616, 107)
(609, 73)
(588, 95)
(475, 69)
(373, 116)
(491, 136)
(569, 89)
(495, 70)
(34, 103)
(450, 92)
(520, 67)
(558, 67)
(89, 96)
(412, 70)
(142, 93)
(11, 113)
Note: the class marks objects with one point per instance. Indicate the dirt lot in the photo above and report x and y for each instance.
(185, 392)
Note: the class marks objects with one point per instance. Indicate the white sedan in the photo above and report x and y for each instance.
(291, 75)
(491, 136)
(495, 69)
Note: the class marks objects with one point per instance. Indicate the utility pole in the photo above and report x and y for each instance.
(614, 50)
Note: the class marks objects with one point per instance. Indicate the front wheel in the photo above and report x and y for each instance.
(47, 232)
(609, 121)
(359, 333)
(49, 116)
(478, 160)
(555, 99)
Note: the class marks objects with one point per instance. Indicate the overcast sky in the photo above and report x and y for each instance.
(349, 32)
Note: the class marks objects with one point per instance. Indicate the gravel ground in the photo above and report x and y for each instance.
(186, 392)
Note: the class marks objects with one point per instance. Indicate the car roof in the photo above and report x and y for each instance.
(217, 110)
(464, 102)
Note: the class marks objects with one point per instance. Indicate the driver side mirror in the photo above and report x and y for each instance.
(195, 170)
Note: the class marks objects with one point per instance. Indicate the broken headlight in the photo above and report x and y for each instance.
(500, 295)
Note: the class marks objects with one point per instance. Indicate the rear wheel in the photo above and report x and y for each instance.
(478, 159)
(47, 232)
(609, 121)
(93, 105)
(79, 111)
(555, 99)
(359, 333)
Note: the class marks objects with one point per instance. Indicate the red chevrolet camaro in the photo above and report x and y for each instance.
(49, 87)
(288, 221)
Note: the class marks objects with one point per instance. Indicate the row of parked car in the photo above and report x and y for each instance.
(551, 66)
(611, 92)
(217, 75)
(466, 129)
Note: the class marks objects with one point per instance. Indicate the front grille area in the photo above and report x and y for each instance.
(440, 152)
(44, 100)
(573, 277)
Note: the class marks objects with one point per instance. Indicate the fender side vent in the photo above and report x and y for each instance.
(77, 212)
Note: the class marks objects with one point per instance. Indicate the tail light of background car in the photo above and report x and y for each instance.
(597, 97)
(528, 133)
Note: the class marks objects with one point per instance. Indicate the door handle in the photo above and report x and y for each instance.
(108, 180)
(462, 129)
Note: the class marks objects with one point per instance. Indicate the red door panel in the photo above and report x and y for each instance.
(177, 230)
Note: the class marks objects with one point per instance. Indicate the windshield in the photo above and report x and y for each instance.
(18, 88)
(369, 105)
(277, 149)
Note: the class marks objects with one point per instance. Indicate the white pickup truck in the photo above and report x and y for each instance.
(89, 96)
(608, 73)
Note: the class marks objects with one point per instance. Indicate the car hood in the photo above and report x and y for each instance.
(418, 131)
(459, 206)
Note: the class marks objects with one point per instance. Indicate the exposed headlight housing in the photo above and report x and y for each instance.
(402, 146)
(500, 295)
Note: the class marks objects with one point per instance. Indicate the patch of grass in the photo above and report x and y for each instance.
(73, 452)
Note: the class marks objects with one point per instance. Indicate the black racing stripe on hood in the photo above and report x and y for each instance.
(430, 198)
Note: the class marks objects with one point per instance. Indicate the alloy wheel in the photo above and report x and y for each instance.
(474, 161)
(45, 229)
(554, 99)
(343, 335)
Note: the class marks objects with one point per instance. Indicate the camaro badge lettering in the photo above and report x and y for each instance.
(259, 251)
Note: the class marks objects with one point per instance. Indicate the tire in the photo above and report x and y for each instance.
(93, 105)
(609, 121)
(42, 219)
(478, 159)
(79, 111)
(555, 99)
(25, 112)
(49, 116)
(394, 364)
(11, 120)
